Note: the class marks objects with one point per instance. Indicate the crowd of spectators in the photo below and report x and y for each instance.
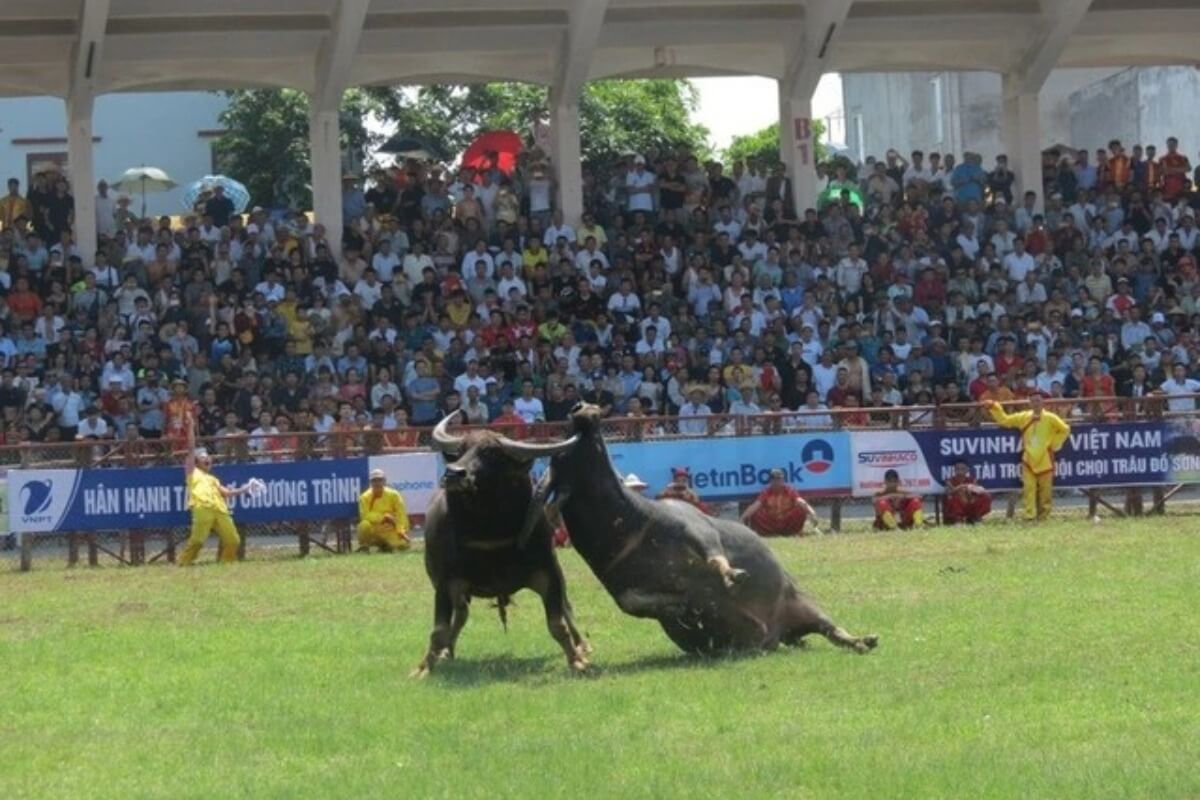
(684, 290)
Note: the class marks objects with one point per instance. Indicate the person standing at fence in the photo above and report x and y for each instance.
(1043, 433)
(966, 500)
(179, 413)
(779, 510)
(207, 498)
(896, 508)
(382, 517)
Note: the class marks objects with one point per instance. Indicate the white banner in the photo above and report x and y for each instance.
(414, 475)
(875, 452)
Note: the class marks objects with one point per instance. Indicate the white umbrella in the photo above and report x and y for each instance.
(145, 179)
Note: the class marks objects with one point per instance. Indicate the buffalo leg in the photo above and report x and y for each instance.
(462, 610)
(558, 618)
(803, 618)
(729, 574)
(440, 640)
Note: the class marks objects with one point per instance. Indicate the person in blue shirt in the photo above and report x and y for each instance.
(423, 392)
(969, 178)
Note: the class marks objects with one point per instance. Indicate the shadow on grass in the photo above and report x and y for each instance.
(551, 670)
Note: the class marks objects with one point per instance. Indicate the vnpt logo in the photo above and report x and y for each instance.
(884, 459)
(817, 456)
(36, 497)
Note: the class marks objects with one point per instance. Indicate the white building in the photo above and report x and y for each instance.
(950, 112)
(174, 131)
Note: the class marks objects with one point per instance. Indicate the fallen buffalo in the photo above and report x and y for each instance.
(471, 533)
(712, 584)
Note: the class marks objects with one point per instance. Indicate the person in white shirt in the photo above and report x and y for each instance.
(528, 407)
(1029, 290)
(416, 261)
(727, 224)
(824, 374)
(385, 261)
(1178, 387)
(106, 211)
(508, 282)
(640, 185)
(368, 289)
(850, 271)
(590, 253)
(558, 229)
(650, 343)
(655, 319)
(468, 379)
(918, 176)
(1004, 240)
(692, 413)
(93, 426)
(968, 241)
(625, 302)
(811, 418)
(472, 259)
(1018, 263)
(271, 288)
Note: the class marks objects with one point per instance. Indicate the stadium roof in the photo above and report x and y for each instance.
(64, 47)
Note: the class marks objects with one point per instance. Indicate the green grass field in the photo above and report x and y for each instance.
(1056, 662)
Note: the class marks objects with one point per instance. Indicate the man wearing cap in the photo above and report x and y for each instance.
(680, 488)
(206, 499)
(1043, 433)
(779, 510)
(382, 517)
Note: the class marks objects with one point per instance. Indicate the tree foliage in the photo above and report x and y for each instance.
(615, 117)
(764, 144)
(266, 142)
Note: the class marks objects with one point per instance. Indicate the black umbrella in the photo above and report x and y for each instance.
(403, 146)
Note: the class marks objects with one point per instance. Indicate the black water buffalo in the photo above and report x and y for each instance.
(712, 584)
(471, 534)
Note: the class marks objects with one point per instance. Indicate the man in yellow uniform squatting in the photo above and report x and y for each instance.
(206, 499)
(1043, 433)
(382, 518)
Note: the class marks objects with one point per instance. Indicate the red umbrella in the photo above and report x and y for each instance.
(494, 150)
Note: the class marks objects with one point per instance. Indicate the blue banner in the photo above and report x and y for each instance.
(1094, 456)
(736, 468)
(44, 500)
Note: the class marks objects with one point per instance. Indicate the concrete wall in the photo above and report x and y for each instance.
(897, 110)
(159, 130)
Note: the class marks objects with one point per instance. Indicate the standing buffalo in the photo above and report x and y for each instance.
(712, 584)
(471, 540)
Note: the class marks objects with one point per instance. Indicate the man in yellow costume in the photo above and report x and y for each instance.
(206, 499)
(1043, 433)
(382, 518)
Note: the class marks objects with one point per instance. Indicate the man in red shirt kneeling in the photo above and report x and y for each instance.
(966, 500)
(896, 508)
(779, 510)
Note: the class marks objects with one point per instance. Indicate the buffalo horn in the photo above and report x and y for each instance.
(529, 452)
(443, 441)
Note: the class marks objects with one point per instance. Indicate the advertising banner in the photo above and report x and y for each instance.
(1095, 456)
(45, 500)
(733, 468)
(414, 475)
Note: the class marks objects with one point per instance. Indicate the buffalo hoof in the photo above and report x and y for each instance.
(735, 576)
(420, 673)
(579, 665)
(866, 644)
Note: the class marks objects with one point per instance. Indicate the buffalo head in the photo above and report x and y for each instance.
(482, 462)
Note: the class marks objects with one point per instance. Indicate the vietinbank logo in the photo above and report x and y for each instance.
(817, 456)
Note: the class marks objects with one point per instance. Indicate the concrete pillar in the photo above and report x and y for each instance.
(1023, 139)
(568, 159)
(797, 148)
(80, 162)
(325, 147)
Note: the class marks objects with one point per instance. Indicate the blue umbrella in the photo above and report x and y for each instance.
(233, 190)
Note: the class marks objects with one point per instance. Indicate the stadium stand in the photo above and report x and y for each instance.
(685, 292)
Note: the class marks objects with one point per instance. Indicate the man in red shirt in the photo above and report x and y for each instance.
(179, 412)
(896, 508)
(779, 510)
(680, 488)
(966, 500)
(1175, 169)
(1120, 168)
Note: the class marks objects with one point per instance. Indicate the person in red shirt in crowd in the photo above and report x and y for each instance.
(562, 538)
(1122, 301)
(930, 290)
(779, 510)
(23, 303)
(1096, 383)
(522, 325)
(401, 435)
(509, 423)
(179, 412)
(1008, 359)
(896, 508)
(966, 500)
(680, 488)
(1175, 168)
(1037, 240)
(284, 443)
(1120, 168)
(979, 384)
